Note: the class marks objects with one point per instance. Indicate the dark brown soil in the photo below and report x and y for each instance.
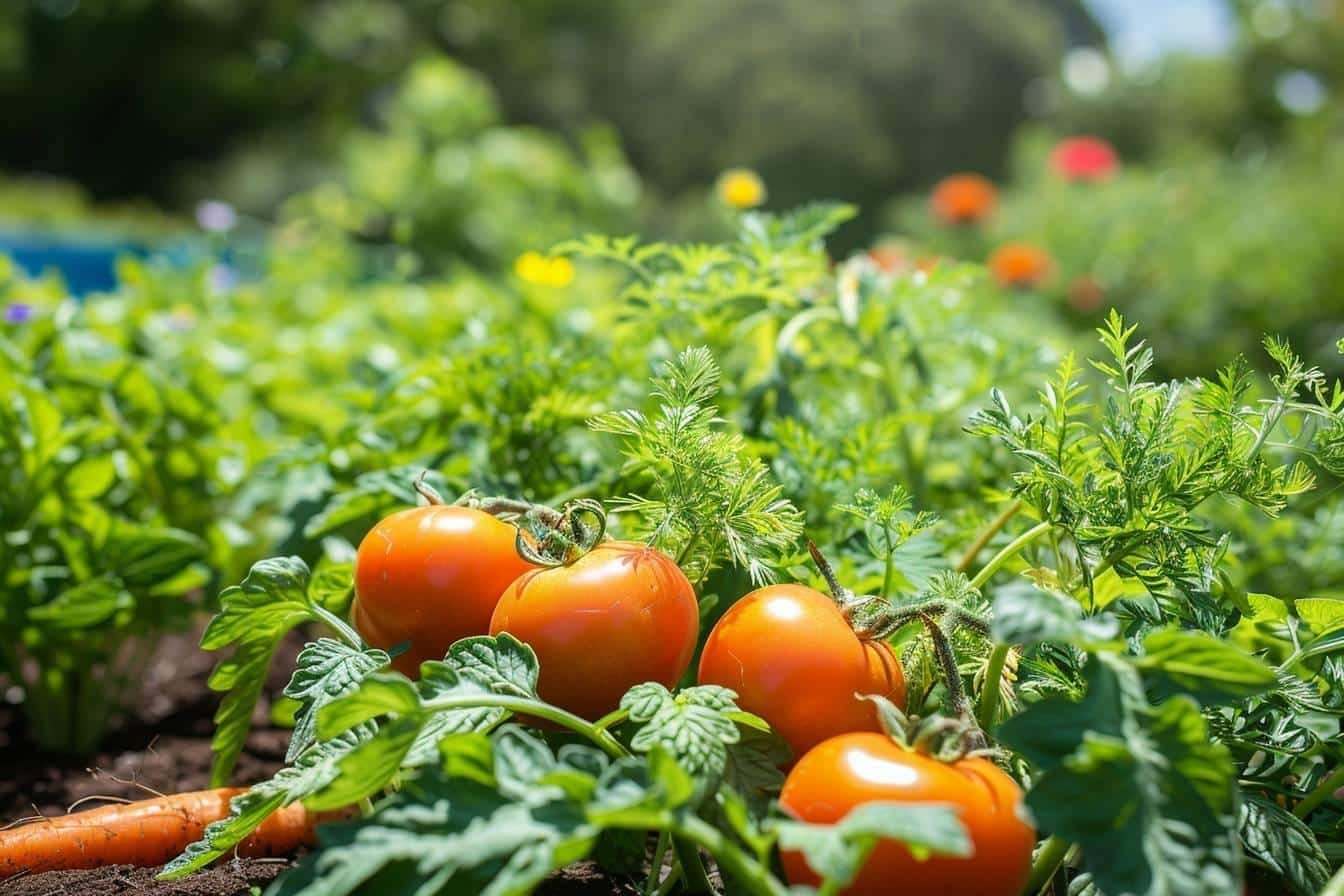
(165, 748)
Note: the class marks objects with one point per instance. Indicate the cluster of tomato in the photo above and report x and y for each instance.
(624, 613)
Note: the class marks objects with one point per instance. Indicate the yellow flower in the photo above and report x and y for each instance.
(740, 188)
(537, 269)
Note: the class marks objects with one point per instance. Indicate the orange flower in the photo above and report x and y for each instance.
(1020, 265)
(891, 256)
(963, 199)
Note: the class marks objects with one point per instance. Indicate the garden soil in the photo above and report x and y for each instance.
(165, 748)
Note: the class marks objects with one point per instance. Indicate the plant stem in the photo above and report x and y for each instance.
(615, 717)
(1322, 792)
(887, 573)
(686, 548)
(673, 877)
(1047, 862)
(745, 871)
(956, 692)
(988, 708)
(536, 709)
(1009, 550)
(688, 858)
(350, 636)
(987, 535)
(656, 866)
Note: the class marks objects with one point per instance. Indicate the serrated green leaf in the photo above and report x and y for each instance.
(1214, 672)
(468, 755)
(253, 618)
(1284, 843)
(314, 770)
(1029, 616)
(1324, 615)
(837, 851)
(693, 725)
(325, 671)
(1161, 806)
(501, 664)
(333, 586)
(85, 605)
(445, 835)
(369, 767)
(376, 694)
(754, 767)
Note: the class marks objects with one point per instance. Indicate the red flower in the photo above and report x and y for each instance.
(1086, 294)
(963, 199)
(1019, 265)
(1084, 158)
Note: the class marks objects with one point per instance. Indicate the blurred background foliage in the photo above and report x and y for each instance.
(443, 132)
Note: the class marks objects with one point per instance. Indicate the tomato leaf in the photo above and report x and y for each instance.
(442, 833)
(1024, 615)
(313, 770)
(837, 851)
(1161, 804)
(1284, 843)
(253, 618)
(1214, 672)
(693, 725)
(325, 671)
(753, 767)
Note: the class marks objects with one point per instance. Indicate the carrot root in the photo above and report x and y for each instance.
(144, 833)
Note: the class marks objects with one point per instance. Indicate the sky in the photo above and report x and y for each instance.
(1140, 30)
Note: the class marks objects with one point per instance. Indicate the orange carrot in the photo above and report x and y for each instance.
(146, 833)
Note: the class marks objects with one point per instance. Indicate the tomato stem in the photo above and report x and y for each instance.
(536, 709)
(1320, 793)
(1046, 863)
(348, 634)
(693, 869)
(1009, 551)
(425, 490)
(656, 867)
(751, 875)
(956, 692)
(992, 690)
(984, 538)
(615, 717)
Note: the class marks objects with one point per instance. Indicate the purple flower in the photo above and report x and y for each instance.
(216, 216)
(220, 279)
(19, 313)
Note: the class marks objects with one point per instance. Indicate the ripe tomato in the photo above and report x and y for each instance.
(793, 660)
(431, 576)
(853, 769)
(621, 614)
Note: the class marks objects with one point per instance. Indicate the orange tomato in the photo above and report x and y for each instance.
(620, 615)
(794, 660)
(431, 576)
(853, 769)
